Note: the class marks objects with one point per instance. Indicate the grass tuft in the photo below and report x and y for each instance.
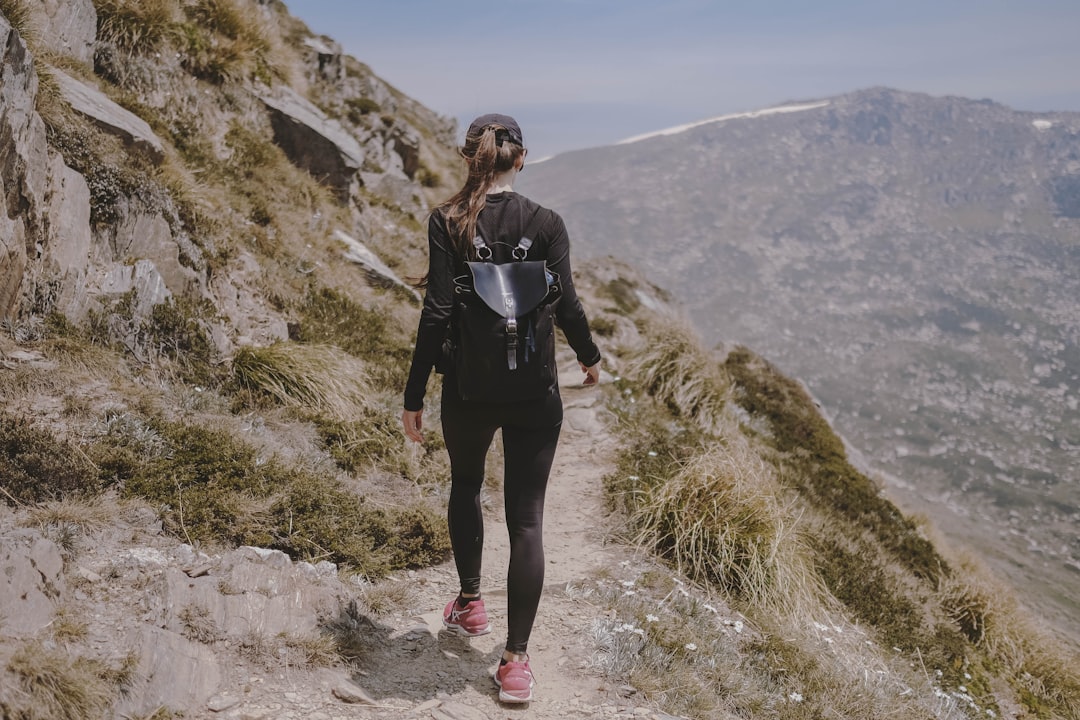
(53, 685)
(321, 378)
(720, 520)
(676, 370)
(135, 26)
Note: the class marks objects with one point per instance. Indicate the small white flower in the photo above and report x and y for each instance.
(627, 627)
(690, 646)
(626, 563)
(651, 618)
(628, 583)
(633, 477)
(963, 689)
(738, 626)
(639, 631)
(795, 697)
(990, 713)
(652, 453)
(629, 592)
(829, 640)
(967, 676)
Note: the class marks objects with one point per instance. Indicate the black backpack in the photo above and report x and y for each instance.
(503, 339)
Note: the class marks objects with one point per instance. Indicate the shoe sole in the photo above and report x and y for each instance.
(458, 630)
(511, 699)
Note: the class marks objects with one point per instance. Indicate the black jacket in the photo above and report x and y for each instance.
(501, 223)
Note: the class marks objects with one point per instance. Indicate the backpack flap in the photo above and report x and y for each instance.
(511, 290)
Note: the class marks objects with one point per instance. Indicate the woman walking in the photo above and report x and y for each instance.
(486, 207)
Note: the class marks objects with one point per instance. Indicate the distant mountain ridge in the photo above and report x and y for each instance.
(915, 259)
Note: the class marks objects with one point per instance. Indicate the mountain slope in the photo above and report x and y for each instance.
(916, 260)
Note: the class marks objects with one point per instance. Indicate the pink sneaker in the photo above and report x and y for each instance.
(515, 681)
(469, 621)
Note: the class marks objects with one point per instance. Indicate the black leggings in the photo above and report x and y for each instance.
(530, 432)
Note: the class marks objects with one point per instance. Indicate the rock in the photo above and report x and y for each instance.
(67, 27)
(144, 279)
(221, 703)
(349, 692)
(23, 165)
(173, 672)
(31, 582)
(327, 57)
(68, 238)
(249, 591)
(457, 711)
(145, 234)
(378, 271)
(312, 140)
(396, 190)
(112, 118)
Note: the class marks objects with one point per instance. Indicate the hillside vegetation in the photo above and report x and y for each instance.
(134, 414)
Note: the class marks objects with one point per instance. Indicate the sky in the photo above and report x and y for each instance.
(583, 73)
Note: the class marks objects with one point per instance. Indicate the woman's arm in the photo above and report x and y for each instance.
(435, 316)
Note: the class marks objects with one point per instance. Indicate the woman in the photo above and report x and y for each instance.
(486, 206)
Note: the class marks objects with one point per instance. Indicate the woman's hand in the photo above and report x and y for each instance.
(413, 421)
(592, 373)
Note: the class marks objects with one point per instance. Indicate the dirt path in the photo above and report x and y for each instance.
(425, 673)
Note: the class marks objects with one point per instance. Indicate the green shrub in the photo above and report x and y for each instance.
(317, 518)
(36, 466)
(624, 293)
(213, 488)
(330, 317)
(818, 462)
(358, 107)
(207, 483)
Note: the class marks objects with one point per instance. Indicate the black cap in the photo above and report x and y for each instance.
(512, 129)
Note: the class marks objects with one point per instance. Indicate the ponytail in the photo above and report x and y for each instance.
(487, 154)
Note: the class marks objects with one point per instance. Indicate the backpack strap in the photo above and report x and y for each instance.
(483, 251)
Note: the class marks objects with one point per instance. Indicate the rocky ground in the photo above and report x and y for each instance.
(241, 634)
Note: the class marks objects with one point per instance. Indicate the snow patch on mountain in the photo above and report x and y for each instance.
(752, 114)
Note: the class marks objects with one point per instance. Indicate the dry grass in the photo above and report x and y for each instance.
(136, 26)
(389, 596)
(721, 519)
(320, 378)
(53, 685)
(1045, 674)
(87, 514)
(676, 370)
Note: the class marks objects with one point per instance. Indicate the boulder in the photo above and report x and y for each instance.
(31, 582)
(109, 116)
(67, 27)
(378, 272)
(23, 165)
(173, 673)
(312, 140)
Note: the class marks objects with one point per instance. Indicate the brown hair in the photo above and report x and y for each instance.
(488, 154)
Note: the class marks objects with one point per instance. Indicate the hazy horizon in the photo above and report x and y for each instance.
(581, 74)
